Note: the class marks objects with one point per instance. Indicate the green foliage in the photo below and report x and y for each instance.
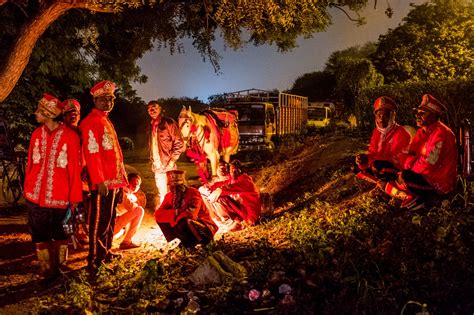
(458, 96)
(434, 43)
(317, 86)
(172, 106)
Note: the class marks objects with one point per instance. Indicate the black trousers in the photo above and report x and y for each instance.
(101, 226)
(416, 183)
(45, 223)
(190, 232)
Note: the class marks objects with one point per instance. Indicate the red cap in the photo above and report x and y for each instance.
(385, 102)
(175, 177)
(50, 106)
(70, 105)
(103, 88)
(429, 103)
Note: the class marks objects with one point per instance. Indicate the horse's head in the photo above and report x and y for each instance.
(185, 121)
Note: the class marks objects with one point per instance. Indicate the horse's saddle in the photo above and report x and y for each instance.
(226, 124)
(222, 117)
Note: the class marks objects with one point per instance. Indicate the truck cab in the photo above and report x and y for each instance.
(320, 116)
(266, 117)
(257, 125)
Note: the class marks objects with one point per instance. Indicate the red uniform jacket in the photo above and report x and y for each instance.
(245, 192)
(102, 151)
(433, 153)
(396, 142)
(190, 207)
(53, 173)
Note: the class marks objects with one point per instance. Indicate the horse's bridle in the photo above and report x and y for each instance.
(186, 120)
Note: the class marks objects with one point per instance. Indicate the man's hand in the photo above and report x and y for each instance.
(362, 159)
(215, 195)
(102, 189)
(170, 165)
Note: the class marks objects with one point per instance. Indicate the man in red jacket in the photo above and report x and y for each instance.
(183, 214)
(389, 140)
(104, 163)
(430, 164)
(52, 183)
(239, 196)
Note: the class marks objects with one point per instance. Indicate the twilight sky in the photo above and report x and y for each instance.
(186, 75)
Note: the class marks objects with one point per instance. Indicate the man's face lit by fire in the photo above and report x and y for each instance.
(425, 118)
(175, 187)
(234, 171)
(154, 110)
(72, 118)
(382, 118)
(104, 103)
(134, 184)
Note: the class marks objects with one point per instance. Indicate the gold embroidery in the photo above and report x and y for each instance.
(92, 146)
(62, 157)
(433, 156)
(107, 141)
(50, 173)
(36, 153)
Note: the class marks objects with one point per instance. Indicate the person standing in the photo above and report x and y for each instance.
(165, 145)
(52, 184)
(72, 113)
(431, 161)
(72, 116)
(389, 140)
(104, 162)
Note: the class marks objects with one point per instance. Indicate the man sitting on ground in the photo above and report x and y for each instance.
(430, 164)
(216, 210)
(239, 196)
(388, 141)
(130, 211)
(183, 214)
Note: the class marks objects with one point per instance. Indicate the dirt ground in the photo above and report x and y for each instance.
(285, 181)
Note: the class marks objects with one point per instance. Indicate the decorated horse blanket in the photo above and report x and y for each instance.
(225, 124)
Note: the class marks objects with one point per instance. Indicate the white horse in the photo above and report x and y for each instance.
(203, 132)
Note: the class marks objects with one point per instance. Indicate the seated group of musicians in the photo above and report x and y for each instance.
(230, 202)
(411, 169)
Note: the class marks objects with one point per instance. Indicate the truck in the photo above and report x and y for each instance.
(320, 116)
(267, 117)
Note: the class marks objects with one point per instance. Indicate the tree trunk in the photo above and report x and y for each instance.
(21, 51)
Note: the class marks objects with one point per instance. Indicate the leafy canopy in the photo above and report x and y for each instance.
(434, 42)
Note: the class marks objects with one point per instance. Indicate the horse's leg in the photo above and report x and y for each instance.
(214, 158)
(226, 157)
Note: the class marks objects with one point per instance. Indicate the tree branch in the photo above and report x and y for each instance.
(337, 6)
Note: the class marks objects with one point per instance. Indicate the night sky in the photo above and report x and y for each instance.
(186, 75)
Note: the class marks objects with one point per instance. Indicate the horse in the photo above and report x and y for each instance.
(206, 138)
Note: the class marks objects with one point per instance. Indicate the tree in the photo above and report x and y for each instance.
(273, 22)
(317, 86)
(353, 72)
(434, 42)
